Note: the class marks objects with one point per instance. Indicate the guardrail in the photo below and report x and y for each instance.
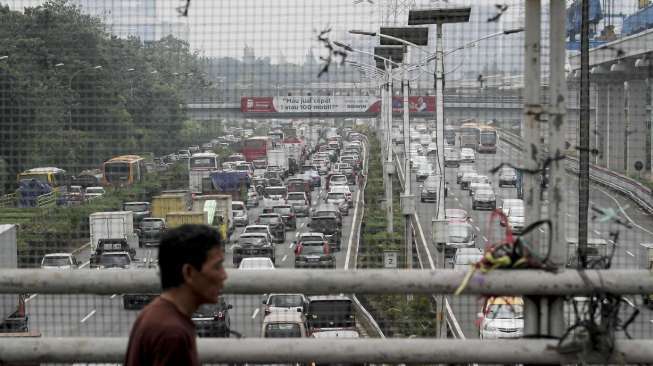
(388, 350)
(631, 188)
(8, 200)
(452, 322)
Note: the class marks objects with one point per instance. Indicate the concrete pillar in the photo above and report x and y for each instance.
(636, 129)
(615, 139)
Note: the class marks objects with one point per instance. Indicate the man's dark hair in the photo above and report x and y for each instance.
(185, 244)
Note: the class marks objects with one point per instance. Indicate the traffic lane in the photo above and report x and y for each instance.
(247, 312)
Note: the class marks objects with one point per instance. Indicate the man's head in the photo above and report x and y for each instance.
(192, 256)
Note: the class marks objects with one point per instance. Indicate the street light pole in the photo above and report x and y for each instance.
(70, 88)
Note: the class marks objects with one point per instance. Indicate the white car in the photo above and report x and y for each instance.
(502, 317)
(467, 155)
(94, 192)
(509, 203)
(281, 303)
(59, 261)
(516, 219)
(346, 191)
(466, 256)
(256, 263)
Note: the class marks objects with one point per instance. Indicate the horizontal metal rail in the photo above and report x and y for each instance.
(369, 281)
(266, 350)
(631, 188)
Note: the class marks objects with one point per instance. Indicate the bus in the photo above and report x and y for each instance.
(487, 140)
(469, 135)
(54, 177)
(123, 170)
(199, 169)
(257, 147)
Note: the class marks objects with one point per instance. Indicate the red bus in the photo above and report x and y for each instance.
(256, 147)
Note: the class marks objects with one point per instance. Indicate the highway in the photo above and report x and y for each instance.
(626, 256)
(104, 316)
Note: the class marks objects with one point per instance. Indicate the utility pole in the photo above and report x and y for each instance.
(389, 165)
(584, 137)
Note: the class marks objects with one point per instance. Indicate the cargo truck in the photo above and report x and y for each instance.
(170, 202)
(112, 225)
(278, 158)
(12, 306)
(218, 209)
(176, 219)
(231, 182)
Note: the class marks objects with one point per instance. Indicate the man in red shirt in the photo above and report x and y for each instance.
(192, 273)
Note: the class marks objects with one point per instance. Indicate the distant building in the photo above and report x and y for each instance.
(144, 19)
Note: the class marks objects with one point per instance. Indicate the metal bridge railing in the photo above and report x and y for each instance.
(388, 350)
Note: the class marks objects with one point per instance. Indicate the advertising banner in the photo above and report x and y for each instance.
(331, 104)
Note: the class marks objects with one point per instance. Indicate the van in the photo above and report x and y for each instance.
(284, 325)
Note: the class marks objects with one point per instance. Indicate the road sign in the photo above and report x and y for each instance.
(390, 259)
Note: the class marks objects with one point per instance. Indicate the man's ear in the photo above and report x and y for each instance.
(186, 272)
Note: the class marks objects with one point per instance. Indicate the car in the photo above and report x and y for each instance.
(313, 173)
(327, 209)
(252, 245)
(259, 229)
(347, 192)
(252, 198)
(467, 155)
(114, 260)
(213, 320)
(256, 263)
(183, 154)
(284, 303)
(93, 192)
(337, 180)
(74, 195)
(110, 246)
(239, 213)
(329, 226)
(314, 254)
(478, 183)
(484, 199)
(275, 222)
(509, 203)
(423, 171)
(466, 180)
(459, 235)
(299, 201)
(502, 317)
(284, 325)
(140, 210)
(456, 214)
(451, 157)
(59, 261)
(288, 215)
(462, 169)
(150, 230)
(339, 200)
(516, 219)
(507, 177)
(465, 257)
(330, 311)
(429, 190)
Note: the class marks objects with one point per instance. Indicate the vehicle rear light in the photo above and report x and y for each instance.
(219, 316)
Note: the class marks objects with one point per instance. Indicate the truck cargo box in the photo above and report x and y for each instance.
(176, 219)
(112, 225)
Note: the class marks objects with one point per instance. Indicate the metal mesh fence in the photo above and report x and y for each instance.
(270, 121)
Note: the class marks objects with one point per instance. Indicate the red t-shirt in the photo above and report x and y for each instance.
(162, 335)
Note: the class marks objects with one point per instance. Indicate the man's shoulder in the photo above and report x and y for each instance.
(163, 315)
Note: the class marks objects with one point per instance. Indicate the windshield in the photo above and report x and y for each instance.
(94, 190)
(488, 138)
(283, 330)
(203, 163)
(505, 311)
(295, 197)
(282, 210)
(56, 261)
(337, 311)
(468, 258)
(152, 224)
(237, 207)
(324, 224)
(242, 167)
(285, 301)
(135, 207)
(338, 179)
(268, 220)
(109, 260)
(460, 233)
(313, 248)
(517, 212)
(276, 191)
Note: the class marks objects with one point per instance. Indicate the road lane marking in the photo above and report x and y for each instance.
(31, 297)
(85, 264)
(284, 258)
(596, 232)
(484, 238)
(630, 253)
(624, 212)
(541, 230)
(255, 313)
(476, 227)
(88, 316)
(471, 219)
(291, 245)
(113, 296)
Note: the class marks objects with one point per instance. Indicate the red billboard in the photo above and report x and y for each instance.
(332, 104)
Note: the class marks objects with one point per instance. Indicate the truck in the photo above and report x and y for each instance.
(112, 225)
(176, 219)
(278, 158)
(169, 202)
(13, 318)
(218, 208)
(231, 182)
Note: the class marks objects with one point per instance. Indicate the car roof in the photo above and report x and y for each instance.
(237, 202)
(311, 234)
(329, 298)
(256, 226)
(505, 300)
(58, 255)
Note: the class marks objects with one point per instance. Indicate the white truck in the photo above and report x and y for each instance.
(278, 158)
(112, 225)
(12, 306)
